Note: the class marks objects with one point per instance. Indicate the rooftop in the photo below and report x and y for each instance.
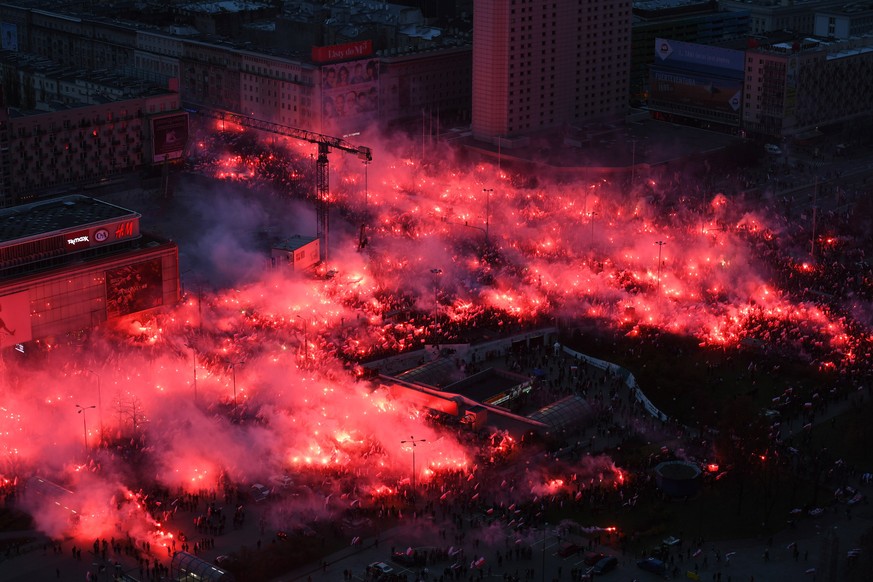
(295, 242)
(69, 212)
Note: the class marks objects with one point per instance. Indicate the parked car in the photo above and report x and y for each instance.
(591, 558)
(653, 565)
(773, 149)
(605, 565)
(379, 568)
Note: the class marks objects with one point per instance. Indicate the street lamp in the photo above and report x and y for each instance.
(233, 366)
(660, 246)
(591, 216)
(194, 360)
(305, 339)
(814, 215)
(488, 192)
(99, 401)
(414, 442)
(366, 188)
(81, 410)
(545, 528)
(436, 273)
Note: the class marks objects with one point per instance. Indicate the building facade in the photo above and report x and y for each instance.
(845, 22)
(542, 64)
(694, 21)
(71, 128)
(272, 79)
(72, 263)
(771, 15)
(790, 86)
(438, 82)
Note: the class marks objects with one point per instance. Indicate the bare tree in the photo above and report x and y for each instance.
(131, 412)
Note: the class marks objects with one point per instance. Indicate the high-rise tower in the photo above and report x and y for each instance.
(539, 64)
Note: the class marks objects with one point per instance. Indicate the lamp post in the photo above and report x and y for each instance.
(591, 216)
(488, 192)
(545, 528)
(414, 442)
(81, 410)
(436, 273)
(660, 244)
(233, 366)
(814, 215)
(633, 163)
(366, 186)
(99, 401)
(305, 339)
(194, 360)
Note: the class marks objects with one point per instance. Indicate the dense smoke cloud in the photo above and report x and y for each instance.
(255, 375)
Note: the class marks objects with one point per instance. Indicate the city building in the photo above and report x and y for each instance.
(74, 262)
(697, 21)
(541, 65)
(438, 83)
(65, 127)
(790, 86)
(855, 19)
(285, 67)
(770, 15)
(779, 86)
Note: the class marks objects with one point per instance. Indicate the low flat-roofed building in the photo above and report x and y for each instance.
(71, 263)
(298, 253)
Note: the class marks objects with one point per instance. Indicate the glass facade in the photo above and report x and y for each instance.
(75, 298)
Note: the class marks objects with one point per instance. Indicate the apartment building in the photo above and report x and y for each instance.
(540, 64)
(790, 86)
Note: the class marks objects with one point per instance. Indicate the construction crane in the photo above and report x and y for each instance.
(322, 168)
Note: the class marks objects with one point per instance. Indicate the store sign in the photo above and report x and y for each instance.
(78, 240)
(342, 52)
(101, 235)
(124, 229)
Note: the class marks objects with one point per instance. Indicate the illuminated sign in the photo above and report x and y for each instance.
(124, 229)
(101, 235)
(78, 240)
(342, 52)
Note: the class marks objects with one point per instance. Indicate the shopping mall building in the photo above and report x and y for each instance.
(71, 263)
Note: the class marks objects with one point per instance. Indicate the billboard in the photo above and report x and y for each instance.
(701, 57)
(15, 319)
(686, 76)
(134, 288)
(169, 136)
(350, 94)
(695, 90)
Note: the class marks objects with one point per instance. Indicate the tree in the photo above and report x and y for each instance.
(131, 412)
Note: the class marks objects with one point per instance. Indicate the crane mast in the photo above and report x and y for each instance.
(322, 198)
(322, 166)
